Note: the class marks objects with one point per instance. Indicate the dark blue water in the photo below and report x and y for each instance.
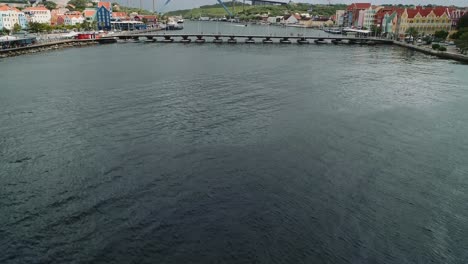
(153, 153)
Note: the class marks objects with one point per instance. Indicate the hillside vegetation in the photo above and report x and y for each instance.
(250, 11)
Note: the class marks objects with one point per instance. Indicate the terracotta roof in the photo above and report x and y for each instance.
(89, 13)
(36, 8)
(119, 14)
(355, 6)
(150, 17)
(73, 16)
(105, 4)
(438, 11)
(73, 13)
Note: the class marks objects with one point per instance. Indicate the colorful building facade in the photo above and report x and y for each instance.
(103, 18)
(10, 16)
(38, 14)
(425, 20)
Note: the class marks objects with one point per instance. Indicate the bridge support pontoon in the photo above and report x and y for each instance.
(250, 40)
(168, 39)
(267, 40)
(200, 39)
(285, 41)
(185, 39)
(302, 41)
(217, 39)
(232, 40)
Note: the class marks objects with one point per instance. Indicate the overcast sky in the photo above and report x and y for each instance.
(184, 4)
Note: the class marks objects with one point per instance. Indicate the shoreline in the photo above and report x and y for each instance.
(62, 44)
(440, 54)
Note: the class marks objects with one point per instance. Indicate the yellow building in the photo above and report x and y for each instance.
(425, 20)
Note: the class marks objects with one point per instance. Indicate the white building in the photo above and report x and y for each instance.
(293, 19)
(9, 16)
(71, 20)
(339, 17)
(38, 14)
(369, 16)
(275, 19)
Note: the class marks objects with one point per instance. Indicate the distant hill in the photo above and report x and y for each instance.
(249, 11)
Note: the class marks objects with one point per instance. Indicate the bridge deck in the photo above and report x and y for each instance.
(204, 35)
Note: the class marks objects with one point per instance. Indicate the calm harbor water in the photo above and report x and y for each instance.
(172, 153)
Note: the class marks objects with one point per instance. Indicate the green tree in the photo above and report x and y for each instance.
(35, 27)
(462, 43)
(376, 30)
(144, 20)
(463, 22)
(16, 28)
(79, 4)
(442, 34)
(50, 5)
(4, 31)
(428, 40)
(458, 34)
(412, 33)
(86, 25)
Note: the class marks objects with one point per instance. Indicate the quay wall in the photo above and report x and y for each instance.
(46, 47)
(429, 51)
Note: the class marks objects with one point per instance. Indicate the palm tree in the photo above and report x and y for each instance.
(412, 32)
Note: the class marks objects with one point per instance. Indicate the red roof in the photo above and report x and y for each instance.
(362, 6)
(37, 8)
(89, 13)
(438, 11)
(119, 14)
(73, 13)
(105, 4)
(73, 16)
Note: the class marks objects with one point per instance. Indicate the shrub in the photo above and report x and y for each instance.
(441, 48)
(435, 46)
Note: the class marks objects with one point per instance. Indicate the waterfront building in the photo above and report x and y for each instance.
(9, 16)
(387, 19)
(319, 23)
(119, 16)
(38, 14)
(339, 17)
(70, 19)
(150, 20)
(103, 16)
(55, 13)
(107, 5)
(353, 14)
(369, 16)
(89, 14)
(455, 15)
(425, 20)
(292, 19)
(22, 21)
(275, 20)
